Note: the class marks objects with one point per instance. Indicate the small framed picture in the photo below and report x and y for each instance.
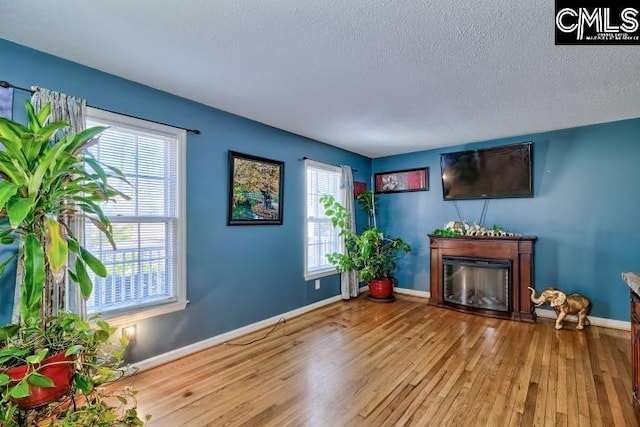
(359, 188)
(402, 180)
(255, 190)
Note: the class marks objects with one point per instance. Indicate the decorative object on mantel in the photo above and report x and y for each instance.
(564, 304)
(633, 281)
(463, 228)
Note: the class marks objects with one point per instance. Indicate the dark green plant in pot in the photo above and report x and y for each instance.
(51, 354)
(373, 255)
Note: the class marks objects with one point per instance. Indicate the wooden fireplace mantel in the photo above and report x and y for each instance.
(519, 250)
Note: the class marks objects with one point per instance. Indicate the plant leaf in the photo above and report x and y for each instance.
(38, 357)
(56, 247)
(11, 134)
(6, 262)
(9, 353)
(94, 263)
(43, 114)
(20, 390)
(49, 130)
(33, 274)
(7, 166)
(103, 325)
(72, 276)
(40, 380)
(9, 330)
(74, 349)
(102, 336)
(84, 383)
(74, 246)
(4, 379)
(97, 168)
(81, 138)
(55, 154)
(105, 230)
(7, 190)
(34, 122)
(18, 208)
(84, 281)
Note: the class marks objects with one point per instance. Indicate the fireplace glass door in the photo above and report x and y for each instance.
(477, 283)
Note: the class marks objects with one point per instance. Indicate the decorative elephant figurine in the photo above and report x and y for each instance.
(564, 304)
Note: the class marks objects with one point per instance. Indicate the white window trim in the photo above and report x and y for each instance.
(320, 275)
(327, 167)
(119, 317)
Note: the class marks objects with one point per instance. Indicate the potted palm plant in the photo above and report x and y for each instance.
(50, 353)
(372, 254)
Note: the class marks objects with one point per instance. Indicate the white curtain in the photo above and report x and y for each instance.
(63, 107)
(74, 111)
(349, 279)
(6, 102)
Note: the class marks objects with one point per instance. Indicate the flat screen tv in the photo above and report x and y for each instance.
(490, 173)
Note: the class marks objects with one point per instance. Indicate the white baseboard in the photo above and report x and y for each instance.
(178, 353)
(595, 321)
(412, 292)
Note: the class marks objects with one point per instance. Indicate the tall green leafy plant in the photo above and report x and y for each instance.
(45, 183)
(366, 203)
(370, 253)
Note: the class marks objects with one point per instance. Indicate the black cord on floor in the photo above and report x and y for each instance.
(240, 344)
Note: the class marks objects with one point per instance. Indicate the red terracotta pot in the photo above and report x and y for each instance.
(57, 367)
(381, 289)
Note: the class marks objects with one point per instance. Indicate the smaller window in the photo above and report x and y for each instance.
(321, 238)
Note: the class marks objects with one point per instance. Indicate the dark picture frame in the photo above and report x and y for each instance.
(256, 187)
(401, 181)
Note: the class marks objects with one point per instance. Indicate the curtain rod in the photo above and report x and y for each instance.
(7, 85)
(330, 164)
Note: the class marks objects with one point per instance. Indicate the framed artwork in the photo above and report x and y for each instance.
(255, 190)
(401, 181)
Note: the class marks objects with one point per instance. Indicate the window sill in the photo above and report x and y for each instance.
(121, 318)
(318, 275)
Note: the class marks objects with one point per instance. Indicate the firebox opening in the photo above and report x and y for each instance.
(477, 283)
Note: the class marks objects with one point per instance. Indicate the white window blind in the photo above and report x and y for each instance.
(146, 267)
(321, 238)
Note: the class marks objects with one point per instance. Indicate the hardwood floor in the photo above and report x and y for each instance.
(359, 363)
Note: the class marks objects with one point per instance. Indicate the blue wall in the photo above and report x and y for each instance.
(585, 211)
(236, 275)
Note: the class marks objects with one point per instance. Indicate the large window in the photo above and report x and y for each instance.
(321, 238)
(146, 269)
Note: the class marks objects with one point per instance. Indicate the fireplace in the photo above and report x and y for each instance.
(483, 275)
(476, 282)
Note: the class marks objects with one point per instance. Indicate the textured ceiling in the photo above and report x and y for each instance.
(376, 77)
